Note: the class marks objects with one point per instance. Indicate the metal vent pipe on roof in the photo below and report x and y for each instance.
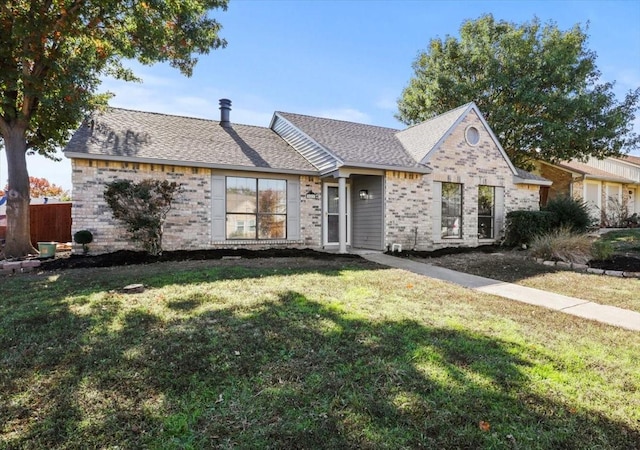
(225, 109)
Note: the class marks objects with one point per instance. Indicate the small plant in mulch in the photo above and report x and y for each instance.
(84, 238)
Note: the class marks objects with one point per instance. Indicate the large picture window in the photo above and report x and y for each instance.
(256, 208)
(451, 211)
(486, 211)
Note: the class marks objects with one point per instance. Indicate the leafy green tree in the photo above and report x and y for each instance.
(142, 207)
(53, 54)
(538, 87)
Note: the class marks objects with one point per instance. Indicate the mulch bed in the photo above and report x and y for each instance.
(128, 257)
(618, 262)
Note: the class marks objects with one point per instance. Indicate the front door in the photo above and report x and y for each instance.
(330, 226)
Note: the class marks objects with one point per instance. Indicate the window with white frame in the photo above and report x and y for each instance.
(486, 211)
(451, 218)
(256, 208)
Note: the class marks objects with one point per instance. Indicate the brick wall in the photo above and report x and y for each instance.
(188, 224)
(562, 180)
(409, 197)
(407, 210)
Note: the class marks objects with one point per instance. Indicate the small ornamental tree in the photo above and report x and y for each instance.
(143, 208)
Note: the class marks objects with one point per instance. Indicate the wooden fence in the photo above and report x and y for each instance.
(51, 222)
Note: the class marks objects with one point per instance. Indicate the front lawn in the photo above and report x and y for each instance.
(296, 353)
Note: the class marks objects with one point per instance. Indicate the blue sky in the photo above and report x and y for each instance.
(344, 59)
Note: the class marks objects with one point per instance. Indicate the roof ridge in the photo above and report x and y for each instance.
(181, 116)
(451, 111)
(338, 120)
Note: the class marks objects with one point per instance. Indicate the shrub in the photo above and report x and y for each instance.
(83, 237)
(143, 208)
(562, 244)
(569, 213)
(522, 226)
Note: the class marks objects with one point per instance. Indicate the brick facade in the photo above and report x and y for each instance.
(409, 197)
(188, 224)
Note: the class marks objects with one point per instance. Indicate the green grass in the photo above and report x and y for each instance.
(285, 355)
(624, 241)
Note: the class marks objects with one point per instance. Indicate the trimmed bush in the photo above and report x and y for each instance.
(562, 244)
(83, 237)
(522, 226)
(569, 213)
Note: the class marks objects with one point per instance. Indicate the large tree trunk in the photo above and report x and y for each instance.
(18, 226)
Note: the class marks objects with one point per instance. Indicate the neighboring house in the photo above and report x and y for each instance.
(610, 186)
(304, 181)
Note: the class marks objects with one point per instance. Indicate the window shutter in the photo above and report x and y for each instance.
(218, 208)
(436, 210)
(293, 209)
(499, 205)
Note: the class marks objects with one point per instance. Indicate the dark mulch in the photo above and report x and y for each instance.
(618, 262)
(127, 257)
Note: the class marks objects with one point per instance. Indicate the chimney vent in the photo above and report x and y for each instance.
(225, 109)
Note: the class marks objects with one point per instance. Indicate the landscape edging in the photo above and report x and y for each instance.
(585, 268)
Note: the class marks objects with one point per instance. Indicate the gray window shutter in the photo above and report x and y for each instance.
(293, 209)
(218, 208)
(436, 210)
(499, 205)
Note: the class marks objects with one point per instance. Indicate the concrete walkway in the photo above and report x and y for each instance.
(607, 314)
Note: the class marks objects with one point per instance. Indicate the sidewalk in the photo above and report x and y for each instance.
(606, 314)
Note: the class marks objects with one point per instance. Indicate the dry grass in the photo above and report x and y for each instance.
(563, 245)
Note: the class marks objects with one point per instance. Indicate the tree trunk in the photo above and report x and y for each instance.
(18, 226)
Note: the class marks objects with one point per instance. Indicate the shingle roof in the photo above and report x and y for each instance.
(528, 176)
(421, 138)
(355, 143)
(585, 169)
(126, 134)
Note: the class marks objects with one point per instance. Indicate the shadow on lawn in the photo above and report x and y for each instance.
(288, 374)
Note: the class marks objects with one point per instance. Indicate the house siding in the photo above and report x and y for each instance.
(367, 214)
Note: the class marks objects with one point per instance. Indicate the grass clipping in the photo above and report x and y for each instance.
(563, 245)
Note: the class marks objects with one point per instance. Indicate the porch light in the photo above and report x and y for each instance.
(364, 194)
(312, 195)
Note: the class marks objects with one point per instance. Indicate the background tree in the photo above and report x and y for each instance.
(52, 56)
(537, 86)
(41, 187)
(142, 207)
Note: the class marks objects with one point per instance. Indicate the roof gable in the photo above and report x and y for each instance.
(423, 139)
(350, 143)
